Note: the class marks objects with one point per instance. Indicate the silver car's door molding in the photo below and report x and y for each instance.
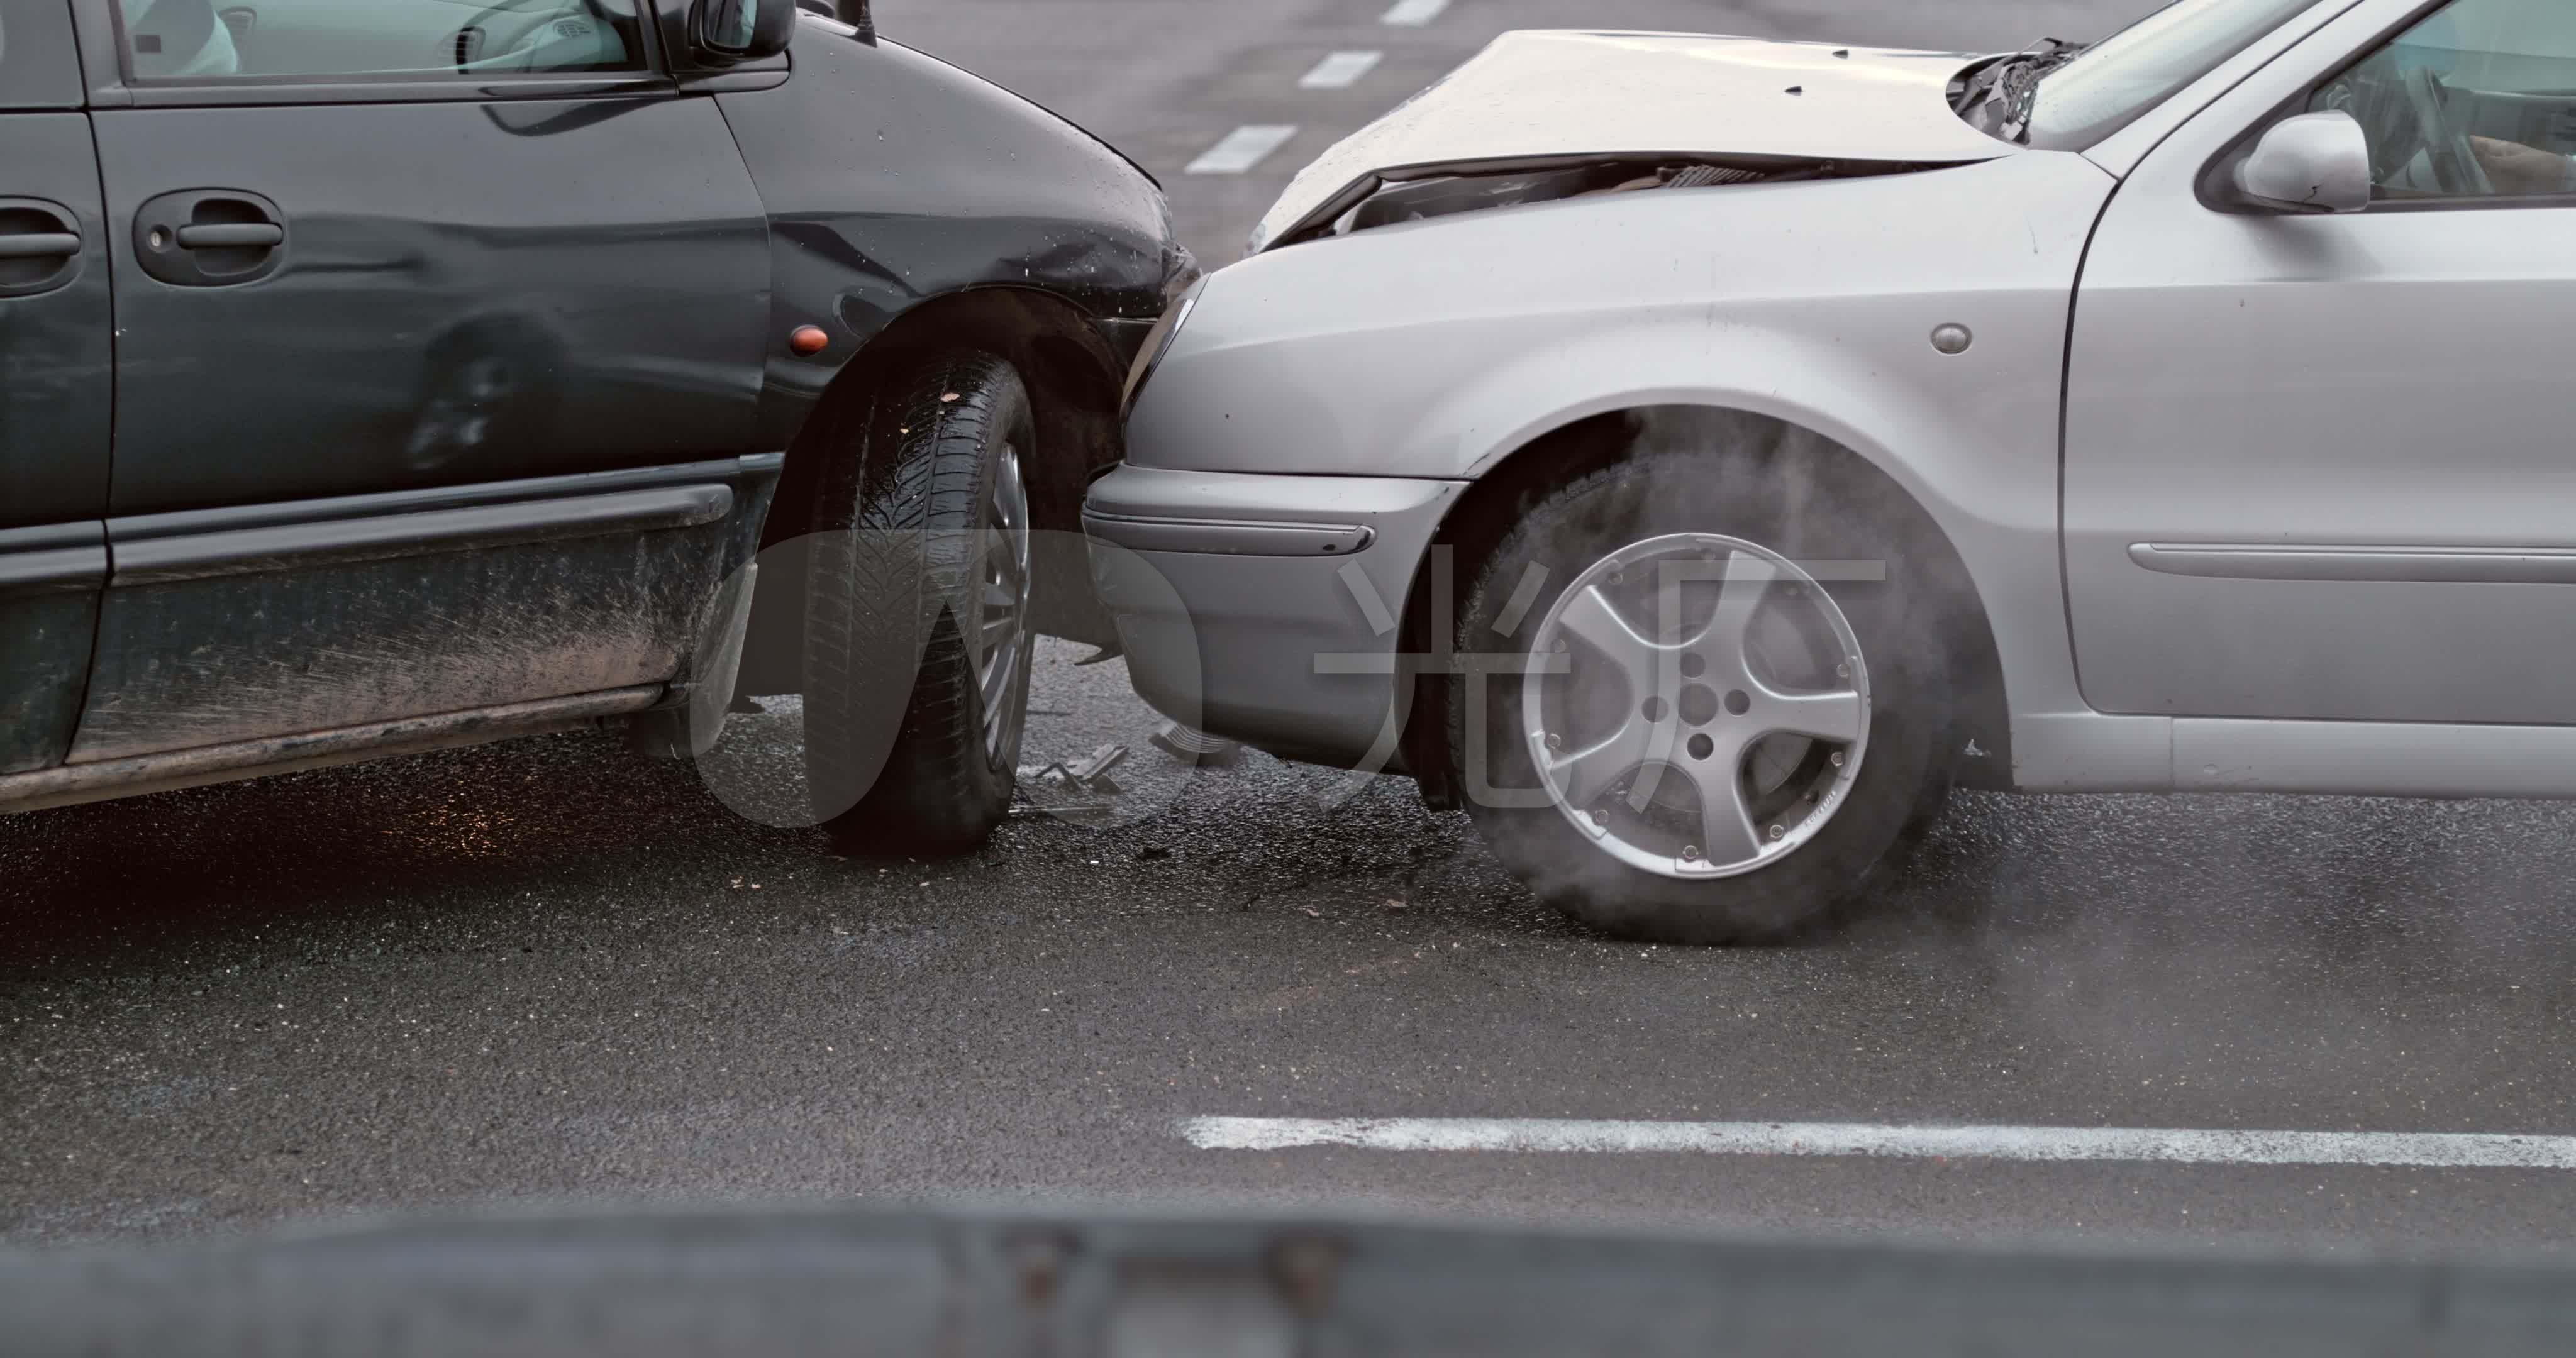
(2421, 565)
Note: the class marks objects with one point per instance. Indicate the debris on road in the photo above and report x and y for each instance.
(1094, 772)
(1090, 774)
(1195, 747)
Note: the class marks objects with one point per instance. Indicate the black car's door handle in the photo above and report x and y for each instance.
(260, 234)
(209, 238)
(40, 246)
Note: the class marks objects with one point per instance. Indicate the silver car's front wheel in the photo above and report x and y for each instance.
(1692, 706)
(1697, 705)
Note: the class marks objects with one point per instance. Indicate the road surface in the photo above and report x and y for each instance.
(543, 973)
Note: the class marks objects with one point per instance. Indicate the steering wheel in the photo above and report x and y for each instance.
(2445, 136)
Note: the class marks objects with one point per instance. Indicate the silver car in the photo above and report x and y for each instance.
(1693, 455)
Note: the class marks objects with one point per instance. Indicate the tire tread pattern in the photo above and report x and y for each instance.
(896, 560)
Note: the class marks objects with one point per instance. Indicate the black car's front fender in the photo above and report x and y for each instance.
(892, 179)
(911, 205)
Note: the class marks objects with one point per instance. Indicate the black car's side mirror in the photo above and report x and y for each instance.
(727, 31)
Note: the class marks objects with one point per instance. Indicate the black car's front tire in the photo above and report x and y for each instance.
(917, 644)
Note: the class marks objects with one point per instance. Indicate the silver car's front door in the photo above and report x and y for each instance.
(2325, 466)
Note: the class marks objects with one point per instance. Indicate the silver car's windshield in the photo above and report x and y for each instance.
(2112, 82)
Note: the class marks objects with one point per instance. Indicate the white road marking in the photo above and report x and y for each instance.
(1413, 13)
(1340, 71)
(2174, 1145)
(1242, 148)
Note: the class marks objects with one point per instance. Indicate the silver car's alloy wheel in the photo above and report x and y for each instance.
(999, 645)
(1696, 705)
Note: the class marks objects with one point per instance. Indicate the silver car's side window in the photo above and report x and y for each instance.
(2477, 100)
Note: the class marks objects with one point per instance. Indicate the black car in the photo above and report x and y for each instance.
(422, 372)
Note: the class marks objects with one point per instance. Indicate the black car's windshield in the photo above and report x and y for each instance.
(2079, 99)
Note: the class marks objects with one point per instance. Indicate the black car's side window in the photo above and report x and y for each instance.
(215, 40)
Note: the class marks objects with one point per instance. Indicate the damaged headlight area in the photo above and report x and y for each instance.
(1158, 341)
(1420, 194)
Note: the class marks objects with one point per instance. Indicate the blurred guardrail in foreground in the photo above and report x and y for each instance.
(962, 1284)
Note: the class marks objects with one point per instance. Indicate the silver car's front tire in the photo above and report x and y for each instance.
(1705, 714)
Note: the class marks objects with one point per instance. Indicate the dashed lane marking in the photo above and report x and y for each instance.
(1413, 13)
(2447, 1150)
(1242, 148)
(1340, 71)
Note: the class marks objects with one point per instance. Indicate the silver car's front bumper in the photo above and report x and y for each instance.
(1264, 608)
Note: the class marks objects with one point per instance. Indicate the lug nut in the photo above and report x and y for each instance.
(1838, 759)
(1776, 832)
(1557, 645)
(1600, 817)
(1842, 671)
(1555, 741)
(1690, 853)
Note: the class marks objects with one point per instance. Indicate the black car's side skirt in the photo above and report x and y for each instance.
(264, 622)
(75, 783)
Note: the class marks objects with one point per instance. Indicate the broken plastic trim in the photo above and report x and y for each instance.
(1420, 192)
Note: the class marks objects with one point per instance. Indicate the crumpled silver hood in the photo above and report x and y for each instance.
(1537, 94)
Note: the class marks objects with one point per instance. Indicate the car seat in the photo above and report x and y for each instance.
(178, 40)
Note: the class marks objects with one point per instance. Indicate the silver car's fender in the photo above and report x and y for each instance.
(1438, 348)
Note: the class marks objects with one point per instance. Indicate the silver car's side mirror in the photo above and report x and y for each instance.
(2315, 162)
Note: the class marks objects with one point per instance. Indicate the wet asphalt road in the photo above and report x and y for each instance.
(543, 972)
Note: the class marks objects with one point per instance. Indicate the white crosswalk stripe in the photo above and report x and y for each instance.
(1340, 70)
(1242, 148)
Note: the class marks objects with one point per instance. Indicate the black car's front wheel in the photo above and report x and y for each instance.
(917, 640)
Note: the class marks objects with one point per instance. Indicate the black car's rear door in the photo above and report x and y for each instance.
(54, 384)
(391, 280)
